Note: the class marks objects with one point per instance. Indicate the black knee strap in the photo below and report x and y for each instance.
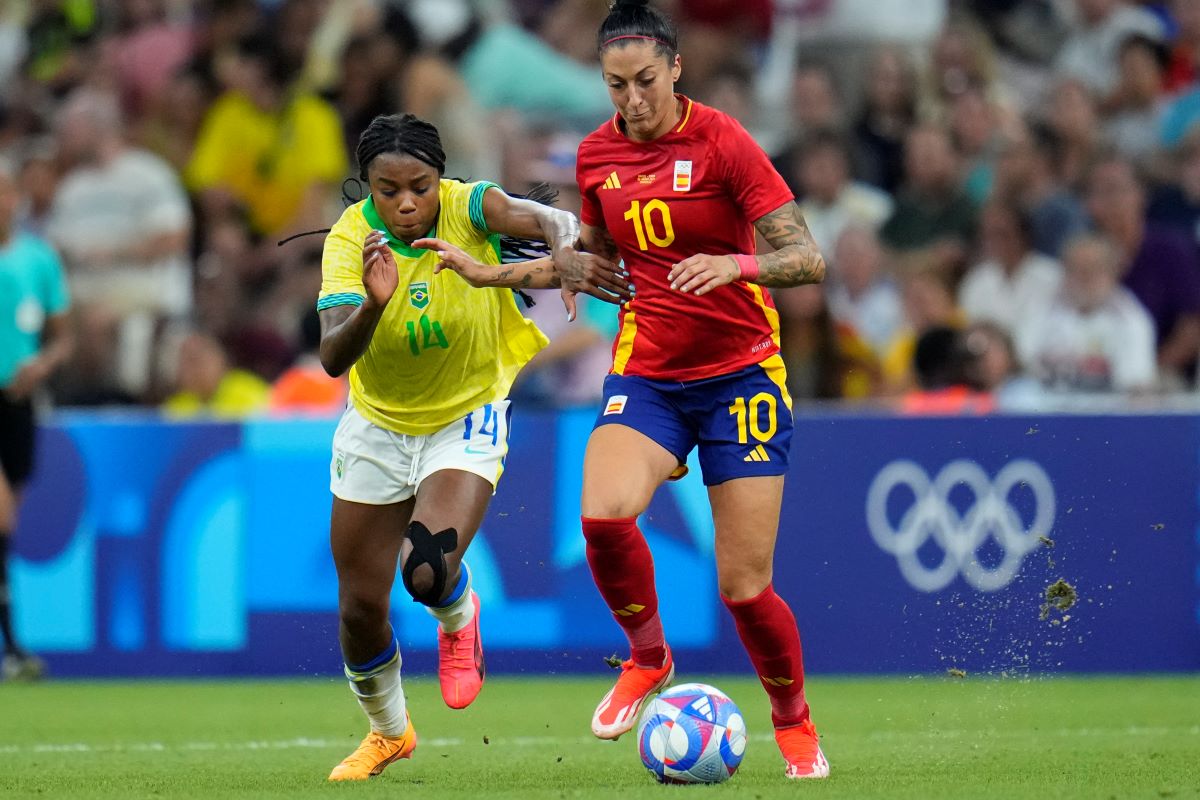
(428, 548)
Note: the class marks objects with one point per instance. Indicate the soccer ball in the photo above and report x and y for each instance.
(692, 733)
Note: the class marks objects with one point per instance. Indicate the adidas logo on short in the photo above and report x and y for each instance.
(757, 454)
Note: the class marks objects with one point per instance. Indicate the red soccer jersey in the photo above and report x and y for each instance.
(697, 189)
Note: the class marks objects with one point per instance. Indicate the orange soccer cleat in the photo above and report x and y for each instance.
(375, 753)
(460, 662)
(618, 711)
(801, 750)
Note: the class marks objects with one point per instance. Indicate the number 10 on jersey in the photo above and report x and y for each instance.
(647, 227)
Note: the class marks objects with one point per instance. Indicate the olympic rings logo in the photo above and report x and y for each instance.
(959, 536)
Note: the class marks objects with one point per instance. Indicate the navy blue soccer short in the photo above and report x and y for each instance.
(741, 422)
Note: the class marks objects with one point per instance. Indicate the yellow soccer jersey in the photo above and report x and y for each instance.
(442, 348)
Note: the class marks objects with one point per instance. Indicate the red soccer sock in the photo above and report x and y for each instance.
(624, 573)
(769, 633)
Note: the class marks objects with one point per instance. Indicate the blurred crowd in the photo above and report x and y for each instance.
(1007, 192)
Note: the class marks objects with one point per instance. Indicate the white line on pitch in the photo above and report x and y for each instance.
(308, 743)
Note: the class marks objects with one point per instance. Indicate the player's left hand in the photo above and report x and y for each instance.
(700, 274)
(32, 374)
(455, 258)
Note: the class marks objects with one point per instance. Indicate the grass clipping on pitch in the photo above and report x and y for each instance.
(1061, 597)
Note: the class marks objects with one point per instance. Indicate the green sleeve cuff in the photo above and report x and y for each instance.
(340, 299)
(475, 206)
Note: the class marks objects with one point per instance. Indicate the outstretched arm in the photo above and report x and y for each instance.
(578, 271)
(536, 274)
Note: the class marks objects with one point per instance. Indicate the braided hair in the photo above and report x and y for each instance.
(404, 134)
(636, 19)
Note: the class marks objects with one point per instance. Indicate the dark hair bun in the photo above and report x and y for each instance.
(637, 19)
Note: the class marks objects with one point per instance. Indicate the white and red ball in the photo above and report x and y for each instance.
(692, 733)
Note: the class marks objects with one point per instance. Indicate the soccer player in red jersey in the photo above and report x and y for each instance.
(677, 191)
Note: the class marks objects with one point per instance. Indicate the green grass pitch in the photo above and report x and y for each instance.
(976, 737)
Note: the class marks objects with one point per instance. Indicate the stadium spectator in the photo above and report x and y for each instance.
(496, 57)
(941, 367)
(1092, 51)
(1014, 283)
(731, 89)
(146, 52)
(171, 123)
(34, 342)
(714, 29)
(928, 303)
(276, 154)
(371, 60)
(962, 60)
(39, 183)
(861, 293)
(994, 368)
(121, 221)
(567, 25)
(816, 104)
(934, 220)
(1137, 106)
(889, 112)
(1027, 175)
(12, 46)
(61, 39)
(1176, 203)
(1075, 120)
(826, 358)
(1096, 336)
(207, 386)
(831, 201)
(976, 127)
(1185, 48)
(1158, 265)
(305, 387)
(374, 65)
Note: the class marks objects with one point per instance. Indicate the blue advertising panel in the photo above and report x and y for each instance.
(905, 546)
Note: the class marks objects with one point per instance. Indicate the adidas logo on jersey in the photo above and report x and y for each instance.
(612, 182)
(757, 454)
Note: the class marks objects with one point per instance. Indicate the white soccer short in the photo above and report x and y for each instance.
(376, 466)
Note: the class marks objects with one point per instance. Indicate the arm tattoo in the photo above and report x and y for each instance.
(601, 243)
(534, 275)
(796, 259)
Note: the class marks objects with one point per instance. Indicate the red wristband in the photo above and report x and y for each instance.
(748, 266)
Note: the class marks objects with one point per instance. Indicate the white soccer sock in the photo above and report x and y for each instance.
(458, 614)
(382, 697)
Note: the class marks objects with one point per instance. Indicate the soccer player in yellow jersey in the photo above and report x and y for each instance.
(421, 445)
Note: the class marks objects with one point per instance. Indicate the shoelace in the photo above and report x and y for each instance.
(804, 739)
(461, 655)
(362, 756)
